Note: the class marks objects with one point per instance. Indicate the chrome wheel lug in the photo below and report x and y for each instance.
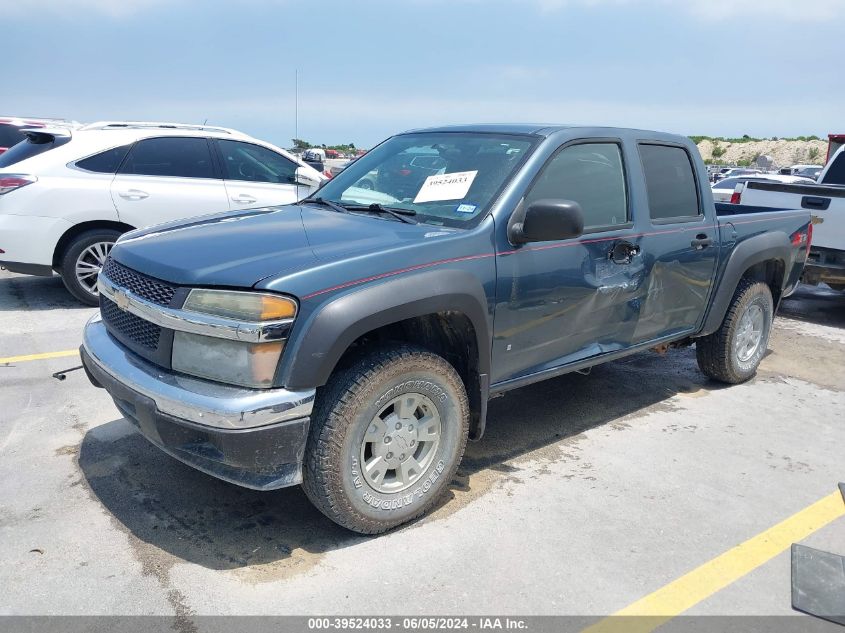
(387, 440)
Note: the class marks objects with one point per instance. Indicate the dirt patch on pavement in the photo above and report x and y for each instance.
(805, 354)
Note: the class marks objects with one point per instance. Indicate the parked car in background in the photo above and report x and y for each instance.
(826, 201)
(316, 159)
(11, 128)
(724, 189)
(811, 172)
(66, 194)
(718, 173)
(733, 172)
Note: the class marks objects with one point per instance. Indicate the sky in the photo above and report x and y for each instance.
(370, 68)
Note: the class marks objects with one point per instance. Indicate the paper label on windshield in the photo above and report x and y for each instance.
(446, 186)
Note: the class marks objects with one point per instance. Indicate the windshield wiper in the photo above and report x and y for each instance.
(327, 203)
(399, 214)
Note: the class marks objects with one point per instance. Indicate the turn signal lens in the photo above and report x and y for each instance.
(275, 308)
(244, 306)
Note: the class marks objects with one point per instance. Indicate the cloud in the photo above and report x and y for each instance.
(714, 10)
(710, 10)
(111, 8)
(718, 10)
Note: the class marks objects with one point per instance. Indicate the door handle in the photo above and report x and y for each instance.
(623, 252)
(244, 199)
(701, 242)
(815, 202)
(133, 194)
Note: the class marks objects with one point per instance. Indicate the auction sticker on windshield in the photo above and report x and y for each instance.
(452, 186)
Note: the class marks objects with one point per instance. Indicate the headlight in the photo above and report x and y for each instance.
(224, 360)
(243, 306)
(230, 361)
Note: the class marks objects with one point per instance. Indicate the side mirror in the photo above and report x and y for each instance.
(300, 177)
(549, 220)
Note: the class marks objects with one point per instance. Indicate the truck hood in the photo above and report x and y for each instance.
(242, 248)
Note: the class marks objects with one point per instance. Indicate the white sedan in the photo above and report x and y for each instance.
(67, 194)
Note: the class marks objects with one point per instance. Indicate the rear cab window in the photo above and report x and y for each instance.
(670, 183)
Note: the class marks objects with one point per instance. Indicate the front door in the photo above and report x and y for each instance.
(256, 176)
(562, 301)
(167, 178)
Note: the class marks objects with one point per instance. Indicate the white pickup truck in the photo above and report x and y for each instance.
(826, 201)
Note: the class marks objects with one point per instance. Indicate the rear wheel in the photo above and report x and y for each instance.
(83, 260)
(733, 353)
(386, 437)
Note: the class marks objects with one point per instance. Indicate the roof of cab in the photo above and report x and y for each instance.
(545, 129)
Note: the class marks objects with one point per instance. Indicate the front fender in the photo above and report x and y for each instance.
(317, 344)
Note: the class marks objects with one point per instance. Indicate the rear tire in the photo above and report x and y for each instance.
(386, 438)
(82, 261)
(733, 353)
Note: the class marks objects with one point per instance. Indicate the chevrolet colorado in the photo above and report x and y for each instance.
(351, 342)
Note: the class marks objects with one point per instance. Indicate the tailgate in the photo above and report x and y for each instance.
(826, 203)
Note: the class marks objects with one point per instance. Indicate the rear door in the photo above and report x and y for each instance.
(679, 240)
(168, 178)
(256, 176)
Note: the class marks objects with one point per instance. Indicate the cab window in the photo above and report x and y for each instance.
(591, 174)
(670, 182)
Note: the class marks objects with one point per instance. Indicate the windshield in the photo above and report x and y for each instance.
(444, 178)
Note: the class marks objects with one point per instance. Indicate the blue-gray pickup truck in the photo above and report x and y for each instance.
(351, 342)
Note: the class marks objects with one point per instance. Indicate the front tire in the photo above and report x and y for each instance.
(82, 261)
(733, 353)
(386, 438)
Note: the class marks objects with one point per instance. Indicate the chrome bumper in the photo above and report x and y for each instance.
(200, 401)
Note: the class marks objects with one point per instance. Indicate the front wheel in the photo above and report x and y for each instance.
(733, 353)
(83, 260)
(386, 438)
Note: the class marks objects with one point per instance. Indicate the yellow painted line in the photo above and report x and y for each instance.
(655, 609)
(44, 356)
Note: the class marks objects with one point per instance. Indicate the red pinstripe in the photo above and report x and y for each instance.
(453, 260)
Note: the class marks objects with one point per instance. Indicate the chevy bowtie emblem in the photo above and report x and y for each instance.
(121, 299)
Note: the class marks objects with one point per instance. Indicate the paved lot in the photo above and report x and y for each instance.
(588, 492)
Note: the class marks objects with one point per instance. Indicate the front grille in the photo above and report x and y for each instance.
(129, 326)
(152, 290)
